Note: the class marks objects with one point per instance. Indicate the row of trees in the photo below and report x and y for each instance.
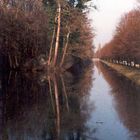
(124, 48)
(48, 30)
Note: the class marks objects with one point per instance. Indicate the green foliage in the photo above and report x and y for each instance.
(49, 2)
(78, 3)
(75, 37)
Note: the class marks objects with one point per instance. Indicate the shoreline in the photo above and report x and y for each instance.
(131, 73)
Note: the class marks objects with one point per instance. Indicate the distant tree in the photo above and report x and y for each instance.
(126, 42)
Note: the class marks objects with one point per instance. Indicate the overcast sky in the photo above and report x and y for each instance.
(106, 18)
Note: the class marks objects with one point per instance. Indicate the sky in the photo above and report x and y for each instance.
(105, 19)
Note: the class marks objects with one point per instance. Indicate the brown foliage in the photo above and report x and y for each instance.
(126, 42)
(23, 33)
(28, 30)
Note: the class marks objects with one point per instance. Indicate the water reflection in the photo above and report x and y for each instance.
(126, 97)
(69, 106)
(44, 107)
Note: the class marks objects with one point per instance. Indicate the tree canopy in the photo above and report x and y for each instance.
(125, 44)
(29, 28)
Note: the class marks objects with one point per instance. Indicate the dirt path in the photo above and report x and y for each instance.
(131, 73)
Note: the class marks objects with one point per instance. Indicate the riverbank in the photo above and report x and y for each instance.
(130, 73)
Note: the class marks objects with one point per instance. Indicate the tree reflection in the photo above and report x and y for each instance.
(127, 98)
(44, 106)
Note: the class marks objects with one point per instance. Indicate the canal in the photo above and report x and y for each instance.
(97, 104)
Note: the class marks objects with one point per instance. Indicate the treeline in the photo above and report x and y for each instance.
(43, 32)
(124, 48)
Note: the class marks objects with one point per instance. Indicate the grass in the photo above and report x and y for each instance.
(131, 73)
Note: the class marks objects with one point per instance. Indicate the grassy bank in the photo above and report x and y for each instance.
(130, 73)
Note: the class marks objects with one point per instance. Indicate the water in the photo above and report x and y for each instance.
(99, 104)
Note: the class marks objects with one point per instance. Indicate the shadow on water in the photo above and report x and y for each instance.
(126, 95)
(59, 107)
(44, 107)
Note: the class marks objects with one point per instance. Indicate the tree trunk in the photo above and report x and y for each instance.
(57, 108)
(58, 34)
(10, 61)
(65, 93)
(16, 61)
(52, 41)
(65, 49)
(50, 90)
(17, 10)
